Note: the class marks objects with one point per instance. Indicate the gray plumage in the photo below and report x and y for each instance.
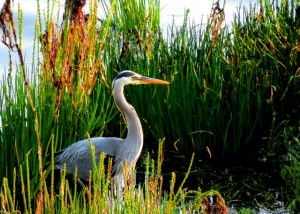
(121, 150)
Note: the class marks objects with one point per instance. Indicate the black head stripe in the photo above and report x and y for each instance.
(125, 74)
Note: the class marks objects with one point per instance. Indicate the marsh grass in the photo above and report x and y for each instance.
(100, 195)
(230, 88)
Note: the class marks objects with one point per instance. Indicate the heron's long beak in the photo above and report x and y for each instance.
(148, 80)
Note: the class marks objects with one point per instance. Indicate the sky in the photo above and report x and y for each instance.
(170, 10)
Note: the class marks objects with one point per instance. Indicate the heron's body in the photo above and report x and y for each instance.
(123, 151)
(79, 154)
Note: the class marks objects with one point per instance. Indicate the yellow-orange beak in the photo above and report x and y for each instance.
(148, 80)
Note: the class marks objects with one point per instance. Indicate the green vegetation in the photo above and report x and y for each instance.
(100, 196)
(233, 90)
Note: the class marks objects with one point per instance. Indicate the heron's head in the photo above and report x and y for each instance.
(130, 77)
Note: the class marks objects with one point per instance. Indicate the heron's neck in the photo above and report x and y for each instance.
(135, 131)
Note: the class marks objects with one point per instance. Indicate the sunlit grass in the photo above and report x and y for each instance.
(60, 194)
(230, 88)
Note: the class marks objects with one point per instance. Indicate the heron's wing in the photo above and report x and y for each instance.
(78, 155)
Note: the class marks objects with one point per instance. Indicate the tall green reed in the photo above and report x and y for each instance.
(228, 84)
(69, 90)
(103, 197)
(229, 87)
(49, 103)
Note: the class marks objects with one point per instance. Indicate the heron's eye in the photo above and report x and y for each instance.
(135, 78)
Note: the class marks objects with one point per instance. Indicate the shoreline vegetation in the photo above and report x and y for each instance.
(234, 97)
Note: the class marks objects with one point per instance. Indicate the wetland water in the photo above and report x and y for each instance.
(247, 182)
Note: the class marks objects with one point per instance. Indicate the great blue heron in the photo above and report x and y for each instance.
(123, 151)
